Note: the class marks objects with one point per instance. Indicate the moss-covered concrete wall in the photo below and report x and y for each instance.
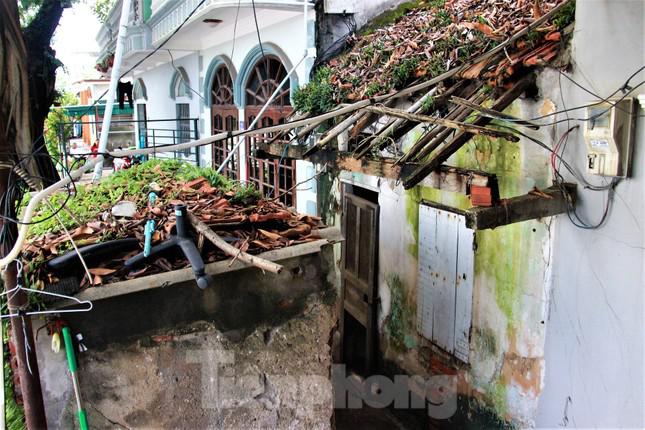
(510, 287)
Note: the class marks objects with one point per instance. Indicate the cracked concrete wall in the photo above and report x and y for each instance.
(195, 377)
(252, 352)
(594, 344)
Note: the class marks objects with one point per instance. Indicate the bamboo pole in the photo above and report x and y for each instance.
(230, 250)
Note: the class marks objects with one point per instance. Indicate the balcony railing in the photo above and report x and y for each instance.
(167, 15)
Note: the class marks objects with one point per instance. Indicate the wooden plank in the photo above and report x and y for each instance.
(435, 137)
(237, 254)
(462, 137)
(277, 150)
(534, 205)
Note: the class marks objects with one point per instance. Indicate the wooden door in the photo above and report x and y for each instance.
(224, 118)
(272, 176)
(359, 269)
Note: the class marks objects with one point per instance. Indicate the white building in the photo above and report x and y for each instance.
(215, 73)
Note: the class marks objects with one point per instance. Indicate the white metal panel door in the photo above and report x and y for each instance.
(464, 289)
(445, 280)
(438, 254)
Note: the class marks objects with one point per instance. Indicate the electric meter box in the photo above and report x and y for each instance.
(609, 136)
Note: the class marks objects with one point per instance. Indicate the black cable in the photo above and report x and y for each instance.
(15, 194)
(172, 62)
(548, 124)
(257, 29)
(237, 15)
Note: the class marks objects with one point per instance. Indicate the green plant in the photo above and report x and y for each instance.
(131, 184)
(372, 89)
(58, 127)
(437, 65)
(403, 72)
(102, 9)
(566, 16)
(428, 104)
(246, 194)
(437, 3)
(318, 95)
(442, 19)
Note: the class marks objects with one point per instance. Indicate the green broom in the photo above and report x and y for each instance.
(71, 361)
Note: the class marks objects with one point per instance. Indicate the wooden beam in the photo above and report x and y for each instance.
(431, 140)
(230, 250)
(460, 126)
(276, 150)
(464, 136)
(447, 178)
(534, 205)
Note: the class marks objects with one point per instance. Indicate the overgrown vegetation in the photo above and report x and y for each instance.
(318, 95)
(566, 16)
(404, 71)
(132, 184)
(393, 15)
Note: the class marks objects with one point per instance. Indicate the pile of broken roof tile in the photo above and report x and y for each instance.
(253, 226)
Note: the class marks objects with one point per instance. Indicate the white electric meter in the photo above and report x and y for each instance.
(609, 135)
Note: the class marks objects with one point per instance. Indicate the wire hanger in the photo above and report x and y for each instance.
(19, 287)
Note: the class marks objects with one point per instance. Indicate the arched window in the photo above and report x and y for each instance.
(139, 91)
(267, 74)
(224, 117)
(272, 176)
(180, 84)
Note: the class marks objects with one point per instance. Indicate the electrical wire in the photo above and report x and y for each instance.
(181, 76)
(237, 15)
(257, 28)
(626, 88)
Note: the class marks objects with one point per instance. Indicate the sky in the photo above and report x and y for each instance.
(75, 44)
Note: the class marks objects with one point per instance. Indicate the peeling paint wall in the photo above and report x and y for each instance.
(511, 279)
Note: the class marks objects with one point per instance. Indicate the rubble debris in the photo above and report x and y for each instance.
(124, 209)
(236, 212)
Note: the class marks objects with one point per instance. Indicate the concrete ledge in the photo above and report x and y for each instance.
(329, 236)
(243, 298)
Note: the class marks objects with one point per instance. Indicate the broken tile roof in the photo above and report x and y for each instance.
(432, 39)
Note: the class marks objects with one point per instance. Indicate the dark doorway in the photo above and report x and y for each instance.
(359, 274)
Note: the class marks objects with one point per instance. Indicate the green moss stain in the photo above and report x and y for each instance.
(496, 395)
(499, 257)
(400, 325)
(391, 16)
(485, 341)
(416, 195)
(492, 155)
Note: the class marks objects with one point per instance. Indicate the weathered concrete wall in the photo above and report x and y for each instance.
(252, 352)
(595, 345)
(510, 287)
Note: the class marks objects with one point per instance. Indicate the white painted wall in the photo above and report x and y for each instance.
(595, 338)
(288, 35)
